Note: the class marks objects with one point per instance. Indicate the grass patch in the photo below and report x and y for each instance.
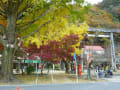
(57, 78)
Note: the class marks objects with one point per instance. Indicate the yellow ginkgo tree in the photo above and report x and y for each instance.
(34, 18)
(58, 30)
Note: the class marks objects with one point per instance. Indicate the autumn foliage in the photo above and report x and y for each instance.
(54, 50)
(100, 18)
(3, 22)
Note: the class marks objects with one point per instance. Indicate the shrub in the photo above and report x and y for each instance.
(30, 69)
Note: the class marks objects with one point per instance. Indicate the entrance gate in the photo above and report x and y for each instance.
(110, 35)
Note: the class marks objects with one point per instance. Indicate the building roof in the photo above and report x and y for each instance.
(94, 48)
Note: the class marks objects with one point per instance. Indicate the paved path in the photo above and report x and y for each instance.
(81, 86)
(112, 84)
(114, 78)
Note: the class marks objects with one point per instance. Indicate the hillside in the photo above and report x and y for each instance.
(104, 15)
(113, 7)
(101, 18)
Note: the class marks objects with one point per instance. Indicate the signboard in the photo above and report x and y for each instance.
(31, 61)
(88, 58)
(74, 56)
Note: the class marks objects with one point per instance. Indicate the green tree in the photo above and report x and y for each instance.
(25, 18)
(112, 6)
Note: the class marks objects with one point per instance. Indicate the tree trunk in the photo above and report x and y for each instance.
(7, 64)
(66, 66)
(9, 42)
(22, 67)
(42, 69)
(71, 66)
(48, 67)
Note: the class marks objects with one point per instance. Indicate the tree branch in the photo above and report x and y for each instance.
(2, 4)
(20, 13)
(36, 30)
(31, 22)
(41, 15)
(19, 2)
(2, 13)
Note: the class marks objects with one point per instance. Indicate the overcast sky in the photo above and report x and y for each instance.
(93, 1)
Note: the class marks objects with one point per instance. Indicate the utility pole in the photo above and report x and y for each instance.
(82, 60)
(74, 57)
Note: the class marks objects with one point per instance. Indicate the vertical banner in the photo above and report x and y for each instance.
(88, 62)
(88, 58)
(79, 69)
